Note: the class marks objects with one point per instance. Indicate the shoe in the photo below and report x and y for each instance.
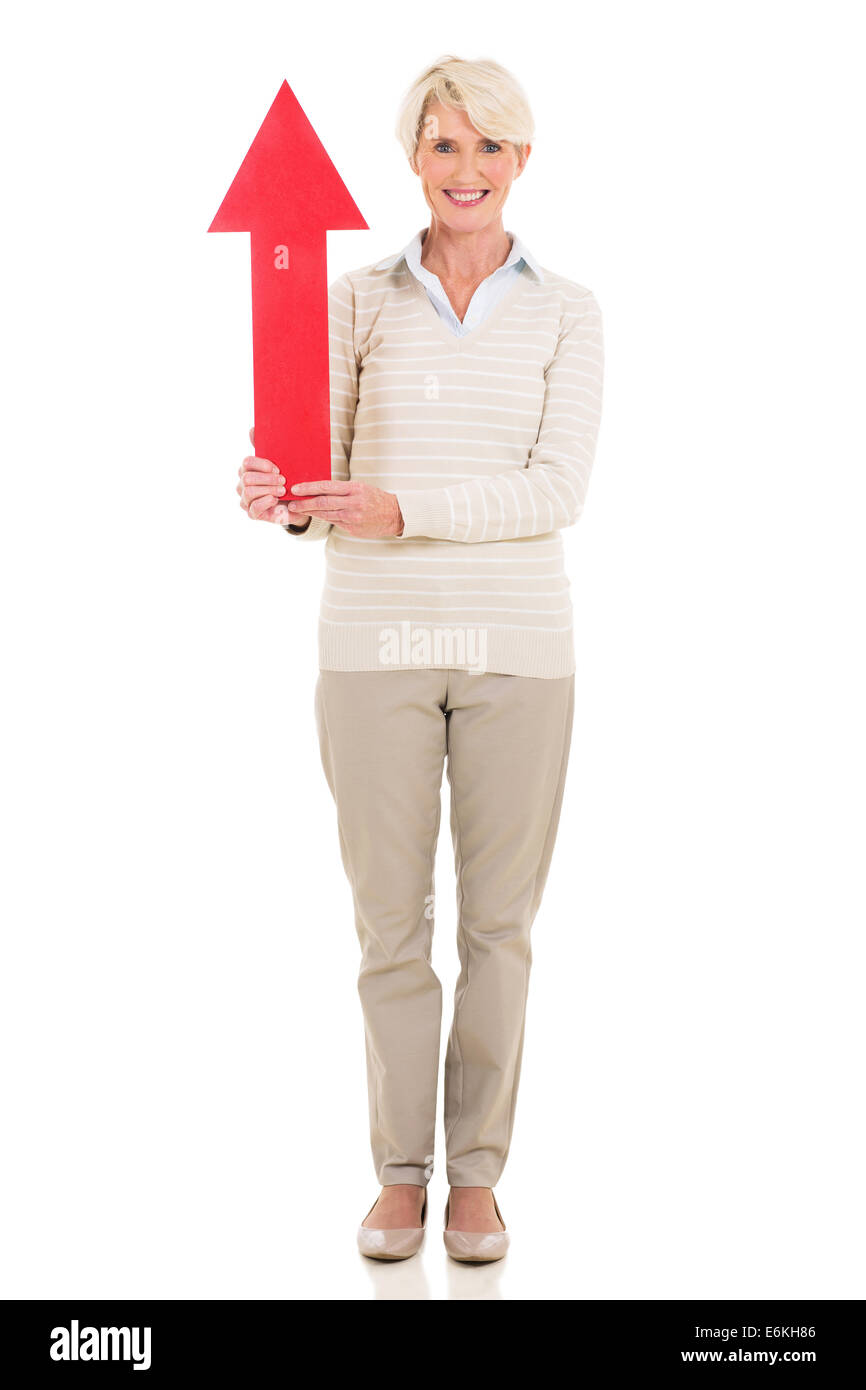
(476, 1247)
(397, 1244)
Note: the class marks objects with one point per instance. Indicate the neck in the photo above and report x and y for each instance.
(464, 255)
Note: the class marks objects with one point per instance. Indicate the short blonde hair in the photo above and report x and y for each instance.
(491, 96)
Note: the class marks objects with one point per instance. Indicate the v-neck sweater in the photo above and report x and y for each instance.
(488, 441)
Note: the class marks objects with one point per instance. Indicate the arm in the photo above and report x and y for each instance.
(344, 394)
(548, 491)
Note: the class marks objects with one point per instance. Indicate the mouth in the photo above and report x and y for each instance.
(466, 197)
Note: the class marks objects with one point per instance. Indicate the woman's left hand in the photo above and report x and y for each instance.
(355, 507)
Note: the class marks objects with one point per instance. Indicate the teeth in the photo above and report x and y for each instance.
(466, 197)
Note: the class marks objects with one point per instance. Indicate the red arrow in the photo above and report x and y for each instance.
(286, 194)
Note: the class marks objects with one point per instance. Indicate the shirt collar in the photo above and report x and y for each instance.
(412, 254)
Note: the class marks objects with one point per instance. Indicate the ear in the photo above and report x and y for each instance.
(522, 158)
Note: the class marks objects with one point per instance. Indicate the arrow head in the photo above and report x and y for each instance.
(287, 182)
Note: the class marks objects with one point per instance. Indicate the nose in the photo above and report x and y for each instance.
(467, 174)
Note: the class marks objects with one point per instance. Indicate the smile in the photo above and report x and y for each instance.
(471, 198)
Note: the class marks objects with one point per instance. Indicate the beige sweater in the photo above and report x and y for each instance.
(488, 441)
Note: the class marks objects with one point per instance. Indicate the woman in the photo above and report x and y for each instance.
(466, 387)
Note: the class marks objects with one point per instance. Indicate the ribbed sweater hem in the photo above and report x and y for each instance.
(510, 652)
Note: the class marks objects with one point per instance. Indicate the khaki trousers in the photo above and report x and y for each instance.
(384, 738)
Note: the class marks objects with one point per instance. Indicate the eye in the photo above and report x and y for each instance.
(491, 145)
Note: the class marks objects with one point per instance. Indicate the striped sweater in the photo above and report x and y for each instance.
(487, 440)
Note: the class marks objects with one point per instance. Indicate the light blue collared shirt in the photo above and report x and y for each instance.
(485, 298)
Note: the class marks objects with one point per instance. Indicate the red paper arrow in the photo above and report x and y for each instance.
(287, 194)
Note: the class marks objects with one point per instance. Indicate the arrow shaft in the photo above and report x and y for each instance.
(290, 351)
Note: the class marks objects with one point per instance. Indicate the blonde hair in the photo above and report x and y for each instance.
(490, 95)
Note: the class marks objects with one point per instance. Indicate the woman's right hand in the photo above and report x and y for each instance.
(260, 488)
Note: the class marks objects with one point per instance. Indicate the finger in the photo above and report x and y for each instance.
(253, 436)
(261, 465)
(276, 514)
(262, 475)
(326, 507)
(332, 485)
(272, 481)
(258, 506)
(262, 497)
(258, 477)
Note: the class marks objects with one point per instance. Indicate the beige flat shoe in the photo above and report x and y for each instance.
(397, 1244)
(476, 1247)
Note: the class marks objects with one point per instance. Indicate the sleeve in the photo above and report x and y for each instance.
(343, 377)
(548, 491)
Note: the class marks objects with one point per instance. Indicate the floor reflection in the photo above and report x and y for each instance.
(475, 1281)
(407, 1279)
(402, 1279)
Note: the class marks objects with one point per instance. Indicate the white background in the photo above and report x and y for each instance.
(183, 1086)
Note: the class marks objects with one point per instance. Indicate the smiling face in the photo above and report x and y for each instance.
(465, 176)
